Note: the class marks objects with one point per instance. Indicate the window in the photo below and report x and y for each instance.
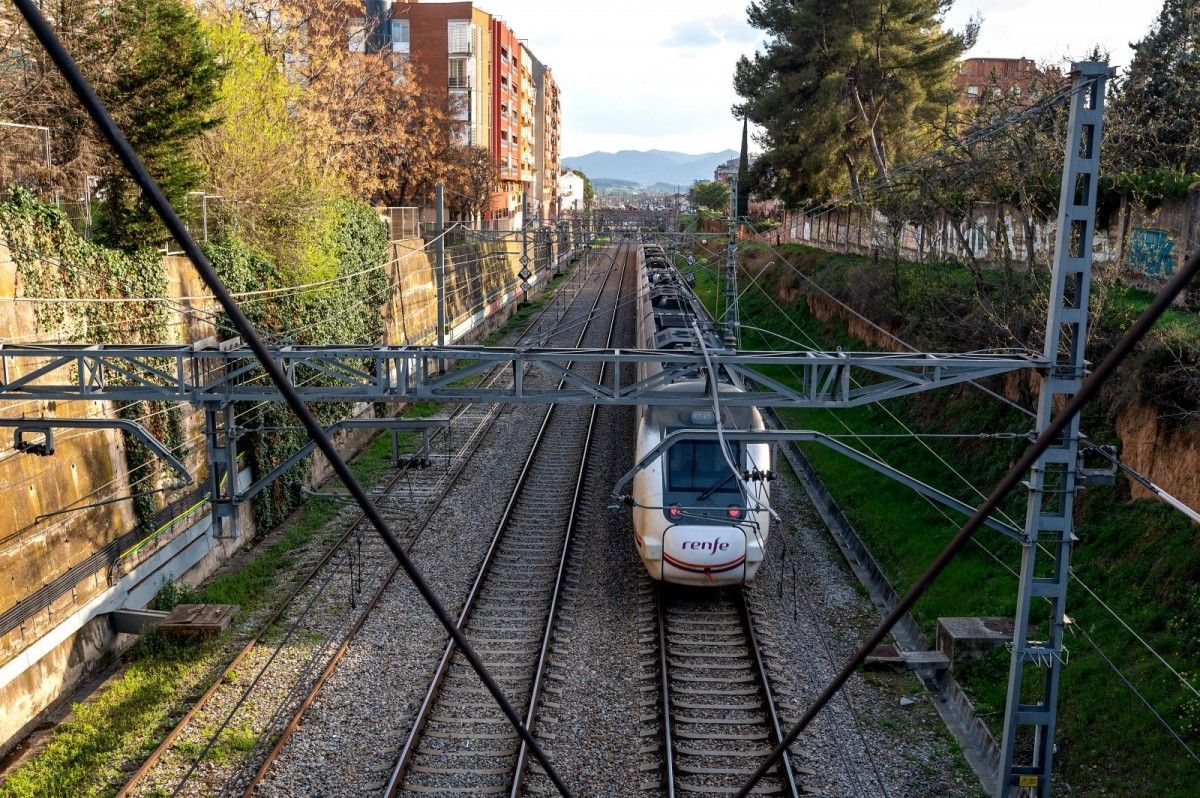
(972, 91)
(399, 29)
(459, 79)
(358, 35)
(698, 466)
(458, 33)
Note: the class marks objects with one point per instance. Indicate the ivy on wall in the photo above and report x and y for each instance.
(347, 251)
(53, 262)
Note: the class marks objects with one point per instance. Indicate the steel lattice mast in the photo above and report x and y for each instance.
(1036, 665)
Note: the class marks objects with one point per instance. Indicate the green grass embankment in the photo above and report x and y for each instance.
(1140, 557)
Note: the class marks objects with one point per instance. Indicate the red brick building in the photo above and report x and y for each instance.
(490, 85)
(506, 105)
(1020, 77)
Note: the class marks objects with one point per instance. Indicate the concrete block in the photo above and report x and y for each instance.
(962, 640)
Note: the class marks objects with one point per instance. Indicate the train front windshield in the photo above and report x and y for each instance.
(699, 466)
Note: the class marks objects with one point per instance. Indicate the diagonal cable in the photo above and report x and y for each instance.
(1091, 387)
(100, 115)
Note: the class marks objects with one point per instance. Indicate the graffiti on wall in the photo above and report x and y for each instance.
(1152, 253)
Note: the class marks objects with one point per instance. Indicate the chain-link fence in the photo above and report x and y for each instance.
(24, 155)
(402, 222)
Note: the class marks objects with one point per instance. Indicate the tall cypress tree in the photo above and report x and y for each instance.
(743, 176)
(841, 90)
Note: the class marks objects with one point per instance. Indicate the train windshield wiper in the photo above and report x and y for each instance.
(714, 488)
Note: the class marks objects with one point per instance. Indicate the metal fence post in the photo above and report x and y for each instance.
(732, 322)
(525, 274)
(1027, 760)
(440, 267)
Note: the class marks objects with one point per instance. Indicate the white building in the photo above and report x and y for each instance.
(570, 192)
(727, 172)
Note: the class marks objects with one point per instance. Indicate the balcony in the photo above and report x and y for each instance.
(459, 41)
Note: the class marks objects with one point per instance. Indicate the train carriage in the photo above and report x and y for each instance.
(696, 519)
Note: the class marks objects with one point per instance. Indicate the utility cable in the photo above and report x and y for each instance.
(150, 189)
(1090, 388)
(1163, 495)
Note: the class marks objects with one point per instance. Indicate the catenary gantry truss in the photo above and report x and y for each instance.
(392, 374)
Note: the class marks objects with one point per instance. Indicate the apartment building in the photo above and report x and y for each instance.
(501, 96)
(526, 102)
(546, 134)
(506, 116)
(1019, 77)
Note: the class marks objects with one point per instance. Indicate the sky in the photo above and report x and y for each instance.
(658, 74)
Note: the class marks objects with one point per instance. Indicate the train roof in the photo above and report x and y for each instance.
(677, 311)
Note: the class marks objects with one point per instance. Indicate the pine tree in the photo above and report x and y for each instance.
(1157, 105)
(166, 81)
(842, 90)
(743, 176)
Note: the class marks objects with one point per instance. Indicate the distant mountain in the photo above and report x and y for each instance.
(650, 166)
(612, 182)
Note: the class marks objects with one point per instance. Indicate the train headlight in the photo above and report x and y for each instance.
(735, 512)
(674, 511)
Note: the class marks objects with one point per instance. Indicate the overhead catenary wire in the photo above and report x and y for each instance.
(1140, 478)
(1073, 574)
(1090, 388)
(1133, 473)
(1005, 565)
(99, 114)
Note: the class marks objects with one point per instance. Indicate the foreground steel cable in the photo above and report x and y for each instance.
(1011, 480)
(99, 114)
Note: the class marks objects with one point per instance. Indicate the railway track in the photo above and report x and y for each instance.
(305, 637)
(460, 743)
(718, 715)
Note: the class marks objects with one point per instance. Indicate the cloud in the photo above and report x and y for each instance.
(725, 29)
(696, 33)
(737, 30)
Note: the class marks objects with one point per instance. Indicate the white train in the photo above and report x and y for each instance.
(695, 521)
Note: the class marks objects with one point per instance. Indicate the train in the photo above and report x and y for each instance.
(697, 521)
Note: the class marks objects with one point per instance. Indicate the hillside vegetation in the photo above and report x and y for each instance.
(1138, 557)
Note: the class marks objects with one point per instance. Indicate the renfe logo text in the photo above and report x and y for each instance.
(705, 545)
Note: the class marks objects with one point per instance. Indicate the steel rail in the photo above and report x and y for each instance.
(231, 665)
(768, 696)
(757, 668)
(548, 634)
(477, 437)
(400, 771)
(175, 226)
(665, 692)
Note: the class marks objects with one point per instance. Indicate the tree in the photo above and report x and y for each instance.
(743, 177)
(1155, 108)
(710, 194)
(844, 90)
(32, 91)
(165, 84)
(472, 178)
